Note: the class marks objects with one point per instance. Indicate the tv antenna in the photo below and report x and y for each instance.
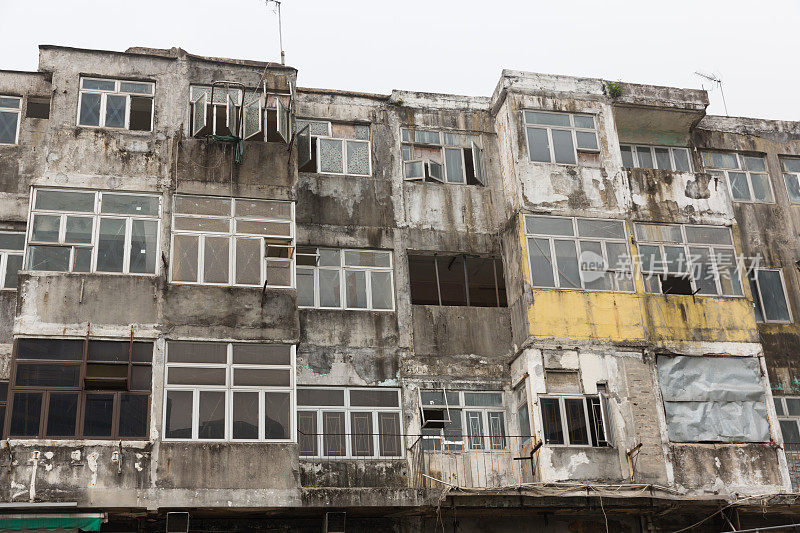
(713, 78)
(280, 31)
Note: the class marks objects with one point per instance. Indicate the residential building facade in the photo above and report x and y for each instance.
(230, 303)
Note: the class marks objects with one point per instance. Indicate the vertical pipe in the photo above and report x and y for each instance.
(436, 270)
(466, 278)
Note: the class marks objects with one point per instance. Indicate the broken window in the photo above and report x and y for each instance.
(678, 259)
(456, 280)
(746, 175)
(713, 399)
(769, 295)
(559, 137)
(221, 117)
(116, 104)
(89, 231)
(334, 148)
(575, 420)
(791, 176)
(64, 388)
(9, 119)
(349, 422)
(442, 157)
(469, 421)
(352, 279)
(38, 108)
(229, 391)
(12, 244)
(660, 157)
(578, 253)
(225, 241)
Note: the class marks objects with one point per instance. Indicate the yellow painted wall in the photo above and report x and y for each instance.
(614, 316)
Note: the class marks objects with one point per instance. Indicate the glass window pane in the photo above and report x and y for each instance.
(264, 209)
(761, 187)
(279, 273)
(681, 156)
(259, 227)
(608, 229)
(708, 235)
(576, 421)
(627, 155)
(202, 205)
(12, 240)
(675, 259)
(26, 411)
(8, 127)
(361, 434)
(728, 272)
(790, 164)
(538, 145)
(618, 256)
(754, 163)
(381, 290)
(57, 349)
(358, 158)
(143, 252)
(178, 420)
(78, 230)
(454, 165)
(211, 419)
(318, 396)
(141, 378)
(262, 354)
(584, 121)
(658, 233)
(215, 260)
(195, 376)
(772, 296)
(111, 245)
(374, 398)
(276, 415)
(45, 228)
(305, 287)
(135, 87)
(778, 405)
(497, 430)
(331, 158)
(48, 258)
(333, 434)
(184, 257)
(115, 111)
(133, 411)
(130, 204)
(475, 431)
(548, 119)
(551, 420)
(452, 283)
(248, 261)
(645, 157)
(197, 352)
(82, 260)
(793, 406)
(563, 150)
(267, 377)
(739, 189)
(793, 186)
(98, 415)
(90, 109)
(356, 288)
(245, 415)
(476, 399)
(756, 298)
(483, 291)
(307, 433)
(13, 266)
(99, 85)
(329, 288)
(329, 257)
(364, 258)
(789, 430)
(702, 271)
(47, 375)
(389, 434)
(567, 264)
(108, 351)
(586, 139)
(81, 202)
(548, 225)
(217, 225)
(663, 160)
(541, 262)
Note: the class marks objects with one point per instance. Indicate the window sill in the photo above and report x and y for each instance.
(334, 175)
(577, 289)
(328, 459)
(73, 441)
(138, 133)
(314, 308)
(228, 285)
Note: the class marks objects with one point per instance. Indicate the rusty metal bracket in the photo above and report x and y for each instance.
(630, 453)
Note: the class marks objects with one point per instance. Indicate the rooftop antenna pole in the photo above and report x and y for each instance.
(280, 30)
(715, 79)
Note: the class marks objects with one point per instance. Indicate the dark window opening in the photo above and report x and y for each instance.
(676, 284)
(65, 388)
(311, 166)
(38, 108)
(456, 280)
(272, 129)
(141, 114)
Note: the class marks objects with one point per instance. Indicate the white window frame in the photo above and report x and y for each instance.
(347, 409)
(343, 141)
(233, 235)
(587, 404)
(343, 269)
(576, 239)
(117, 92)
(784, 415)
(790, 175)
(229, 389)
(96, 215)
(465, 444)
(472, 141)
(742, 169)
(571, 128)
(196, 90)
(18, 112)
(686, 245)
(764, 319)
(672, 149)
(5, 253)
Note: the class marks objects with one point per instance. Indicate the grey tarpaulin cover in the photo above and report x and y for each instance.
(713, 398)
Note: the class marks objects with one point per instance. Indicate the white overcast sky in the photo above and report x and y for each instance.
(451, 46)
